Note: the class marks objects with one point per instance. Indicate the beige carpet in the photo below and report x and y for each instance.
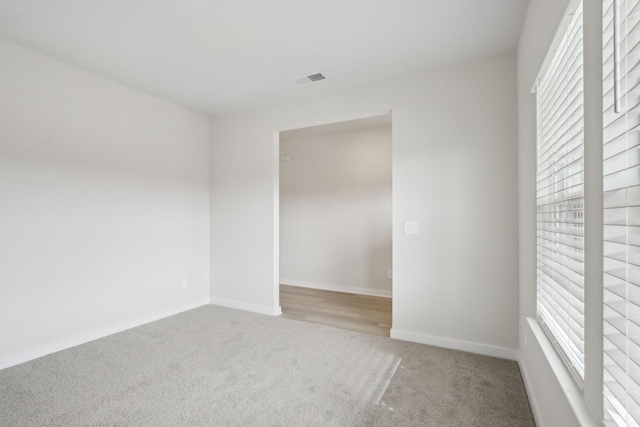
(220, 367)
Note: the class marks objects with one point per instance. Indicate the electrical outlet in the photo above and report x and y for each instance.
(183, 284)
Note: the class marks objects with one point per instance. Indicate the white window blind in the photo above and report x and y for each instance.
(560, 195)
(621, 182)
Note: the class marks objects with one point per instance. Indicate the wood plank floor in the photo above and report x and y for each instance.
(362, 313)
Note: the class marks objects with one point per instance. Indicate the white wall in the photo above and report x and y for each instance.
(555, 398)
(335, 211)
(104, 206)
(454, 171)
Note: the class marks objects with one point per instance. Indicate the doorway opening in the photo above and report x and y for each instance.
(335, 250)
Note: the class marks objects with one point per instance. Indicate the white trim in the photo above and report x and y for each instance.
(471, 347)
(261, 309)
(557, 38)
(569, 387)
(25, 356)
(337, 288)
(533, 402)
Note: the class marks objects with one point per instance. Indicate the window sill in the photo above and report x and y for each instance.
(572, 392)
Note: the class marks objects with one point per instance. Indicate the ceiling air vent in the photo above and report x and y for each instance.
(301, 81)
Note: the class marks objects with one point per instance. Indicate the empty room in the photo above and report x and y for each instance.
(154, 157)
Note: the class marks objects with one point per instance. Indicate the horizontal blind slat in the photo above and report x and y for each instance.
(621, 245)
(560, 196)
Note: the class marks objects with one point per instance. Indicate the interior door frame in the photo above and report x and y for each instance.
(276, 196)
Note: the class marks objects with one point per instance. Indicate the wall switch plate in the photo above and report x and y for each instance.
(183, 284)
(389, 274)
(411, 227)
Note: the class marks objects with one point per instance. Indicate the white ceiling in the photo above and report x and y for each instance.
(217, 56)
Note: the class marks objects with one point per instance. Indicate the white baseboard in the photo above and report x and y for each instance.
(25, 356)
(337, 288)
(261, 309)
(471, 347)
